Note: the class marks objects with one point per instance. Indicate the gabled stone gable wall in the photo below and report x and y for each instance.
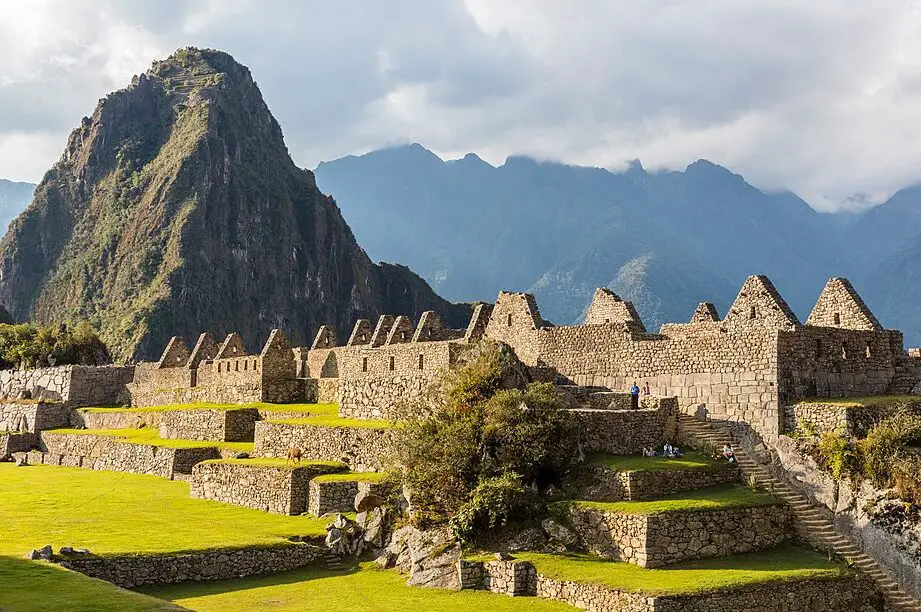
(834, 362)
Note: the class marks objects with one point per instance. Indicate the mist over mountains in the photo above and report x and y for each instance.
(665, 240)
(14, 197)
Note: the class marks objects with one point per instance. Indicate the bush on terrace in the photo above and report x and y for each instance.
(481, 453)
(31, 346)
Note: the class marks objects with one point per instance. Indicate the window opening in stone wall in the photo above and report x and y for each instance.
(818, 348)
(236, 366)
(510, 320)
(254, 364)
(364, 364)
(752, 313)
(246, 366)
(403, 335)
(844, 351)
(869, 352)
(362, 337)
(391, 363)
(218, 368)
(421, 361)
(837, 319)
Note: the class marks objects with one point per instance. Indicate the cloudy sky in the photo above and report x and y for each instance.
(823, 96)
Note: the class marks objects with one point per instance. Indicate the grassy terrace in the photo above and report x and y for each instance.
(117, 513)
(28, 586)
(869, 401)
(365, 589)
(311, 409)
(151, 436)
(332, 421)
(633, 463)
(282, 464)
(712, 498)
(783, 563)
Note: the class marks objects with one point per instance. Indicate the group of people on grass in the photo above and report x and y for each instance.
(669, 451)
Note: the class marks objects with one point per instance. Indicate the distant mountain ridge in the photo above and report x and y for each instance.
(176, 209)
(665, 240)
(14, 197)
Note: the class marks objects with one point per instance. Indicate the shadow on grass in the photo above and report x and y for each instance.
(187, 590)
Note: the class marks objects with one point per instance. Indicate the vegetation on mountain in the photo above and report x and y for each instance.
(176, 209)
(31, 346)
(483, 453)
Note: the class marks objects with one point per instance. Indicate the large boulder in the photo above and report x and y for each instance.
(431, 558)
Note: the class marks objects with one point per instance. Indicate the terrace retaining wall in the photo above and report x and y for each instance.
(216, 425)
(134, 571)
(661, 539)
(603, 484)
(362, 448)
(281, 490)
(36, 416)
(626, 432)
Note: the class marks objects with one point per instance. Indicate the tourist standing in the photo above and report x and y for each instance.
(634, 396)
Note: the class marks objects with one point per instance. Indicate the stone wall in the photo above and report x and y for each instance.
(321, 390)
(16, 443)
(826, 417)
(73, 385)
(115, 419)
(841, 595)
(603, 484)
(737, 369)
(282, 490)
(134, 571)
(106, 453)
(626, 432)
(362, 448)
(36, 416)
(217, 425)
(373, 380)
(331, 496)
(510, 577)
(662, 539)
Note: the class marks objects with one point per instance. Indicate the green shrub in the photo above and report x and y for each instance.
(886, 443)
(906, 476)
(492, 503)
(838, 454)
(31, 346)
(477, 445)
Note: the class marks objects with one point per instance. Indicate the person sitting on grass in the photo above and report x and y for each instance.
(671, 451)
(649, 451)
(728, 453)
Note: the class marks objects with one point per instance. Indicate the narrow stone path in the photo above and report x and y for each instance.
(811, 524)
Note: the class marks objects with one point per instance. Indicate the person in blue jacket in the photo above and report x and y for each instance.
(634, 396)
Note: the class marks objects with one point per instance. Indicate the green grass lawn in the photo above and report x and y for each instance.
(282, 464)
(634, 463)
(365, 590)
(31, 585)
(710, 498)
(333, 421)
(870, 401)
(783, 563)
(151, 436)
(116, 513)
(328, 410)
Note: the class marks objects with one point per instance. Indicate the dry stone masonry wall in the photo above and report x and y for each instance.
(362, 448)
(670, 537)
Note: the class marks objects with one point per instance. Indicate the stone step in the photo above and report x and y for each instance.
(812, 523)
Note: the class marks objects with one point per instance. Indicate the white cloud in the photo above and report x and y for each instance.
(816, 96)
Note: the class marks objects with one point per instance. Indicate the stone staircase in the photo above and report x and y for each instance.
(812, 525)
(907, 375)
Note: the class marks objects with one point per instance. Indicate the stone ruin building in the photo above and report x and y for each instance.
(743, 368)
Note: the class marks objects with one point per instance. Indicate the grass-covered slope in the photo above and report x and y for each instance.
(720, 497)
(116, 513)
(633, 463)
(26, 586)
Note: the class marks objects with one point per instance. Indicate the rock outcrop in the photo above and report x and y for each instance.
(177, 209)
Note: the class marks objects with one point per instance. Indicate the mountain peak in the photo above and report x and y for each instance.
(176, 209)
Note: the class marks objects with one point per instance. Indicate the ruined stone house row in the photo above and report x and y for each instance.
(744, 367)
